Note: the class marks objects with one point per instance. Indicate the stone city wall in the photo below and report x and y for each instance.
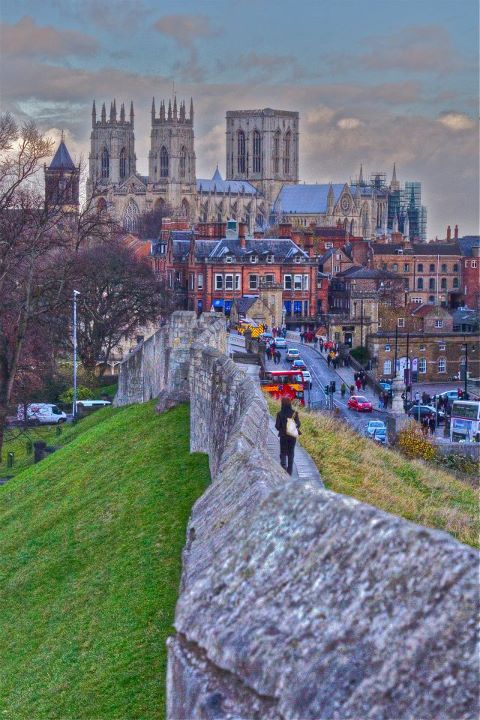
(297, 603)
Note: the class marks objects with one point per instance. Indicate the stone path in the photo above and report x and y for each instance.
(304, 469)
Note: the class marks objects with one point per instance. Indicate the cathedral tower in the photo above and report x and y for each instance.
(112, 148)
(171, 161)
(262, 147)
(62, 181)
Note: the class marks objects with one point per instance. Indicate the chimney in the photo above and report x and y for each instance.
(455, 235)
(449, 233)
(285, 230)
(242, 234)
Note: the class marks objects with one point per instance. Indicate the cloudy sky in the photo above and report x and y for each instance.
(375, 81)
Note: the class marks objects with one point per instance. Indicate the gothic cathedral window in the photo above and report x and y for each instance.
(276, 152)
(241, 151)
(130, 217)
(105, 164)
(257, 152)
(123, 163)
(183, 162)
(163, 162)
(286, 157)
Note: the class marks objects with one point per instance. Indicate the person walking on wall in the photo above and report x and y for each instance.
(288, 425)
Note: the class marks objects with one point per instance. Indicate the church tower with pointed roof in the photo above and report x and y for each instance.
(62, 180)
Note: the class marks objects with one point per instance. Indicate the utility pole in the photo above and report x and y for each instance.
(74, 406)
(396, 351)
(465, 392)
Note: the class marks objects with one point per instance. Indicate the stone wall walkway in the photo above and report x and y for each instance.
(304, 469)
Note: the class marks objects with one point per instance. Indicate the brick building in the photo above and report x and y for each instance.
(208, 271)
(424, 335)
(470, 249)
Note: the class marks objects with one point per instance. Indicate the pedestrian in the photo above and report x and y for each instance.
(417, 397)
(284, 332)
(288, 425)
(302, 337)
(358, 383)
(432, 424)
(352, 389)
(278, 357)
(425, 425)
(315, 341)
(364, 383)
(329, 360)
(334, 362)
(343, 389)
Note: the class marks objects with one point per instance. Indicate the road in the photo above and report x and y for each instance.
(321, 376)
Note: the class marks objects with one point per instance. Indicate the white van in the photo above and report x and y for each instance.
(41, 414)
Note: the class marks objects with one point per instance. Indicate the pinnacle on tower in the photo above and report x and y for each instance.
(162, 111)
(94, 114)
(131, 113)
(122, 113)
(191, 110)
(360, 178)
(104, 113)
(169, 116)
(112, 112)
(175, 108)
(394, 174)
(153, 108)
(182, 112)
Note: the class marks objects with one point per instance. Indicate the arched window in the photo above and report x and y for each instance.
(286, 156)
(185, 208)
(163, 162)
(419, 283)
(130, 217)
(259, 220)
(257, 152)
(183, 162)
(105, 163)
(276, 152)
(431, 284)
(241, 160)
(123, 163)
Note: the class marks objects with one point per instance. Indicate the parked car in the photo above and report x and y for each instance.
(451, 395)
(359, 403)
(418, 412)
(298, 365)
(380, 436)
(88, 406)
(41, 414)
(292, 354)
(280, 343)
(373, 426)
(307, 379)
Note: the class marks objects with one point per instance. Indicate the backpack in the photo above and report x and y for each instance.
(292, 429)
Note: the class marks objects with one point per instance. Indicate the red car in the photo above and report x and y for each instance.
(360, 403)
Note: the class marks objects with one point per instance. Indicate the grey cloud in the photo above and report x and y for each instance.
(265, 66)
(27, 39)
(185, 30)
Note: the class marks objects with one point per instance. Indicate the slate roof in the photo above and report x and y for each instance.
(305, 199)
(61, 159)
(219, 185)
(436, 248)
(281, 248)
(331, 251)
(244, 304)
(465, 316)
(361, 273)
(467, 243)
(389, 248)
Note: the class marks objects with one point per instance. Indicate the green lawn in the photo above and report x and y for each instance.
(91, 542)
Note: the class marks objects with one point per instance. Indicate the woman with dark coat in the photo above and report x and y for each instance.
(287, 442)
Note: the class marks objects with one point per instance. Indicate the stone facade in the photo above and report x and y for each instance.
(296, 602)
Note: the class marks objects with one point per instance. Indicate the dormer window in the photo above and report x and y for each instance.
(253, 259)
(328, 245)
(229, 259)
(297, 258)
(270, 259)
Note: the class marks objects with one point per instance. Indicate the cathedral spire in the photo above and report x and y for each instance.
(394, 185)
(122, 113)
(162, 111)
(360, 178)
(153, 109)
(104, 113)
(182, 112)
(169, 116)
(94, 114)
(175, 107)
(131, 113)
(191, 110)
(112, 111)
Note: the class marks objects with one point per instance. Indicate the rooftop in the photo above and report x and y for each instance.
(61, 159)
(219, 185)
(306, 199)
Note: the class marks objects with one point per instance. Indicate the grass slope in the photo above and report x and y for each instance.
(355, 466)
(91, 542)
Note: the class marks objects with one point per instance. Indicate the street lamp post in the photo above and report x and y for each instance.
(465, 392)
(74, 407)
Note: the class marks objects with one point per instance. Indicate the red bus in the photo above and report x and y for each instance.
(284, 383)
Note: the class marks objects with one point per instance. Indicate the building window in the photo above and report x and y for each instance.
(338, 256)
(422, 365)
(130, 217)
(182, 165)
(455, 267)
(276, 152)
(420, 267)
(387, 348)
(229, 259)
(305, 282)
(200, 281)
(218, 282)
(305, 308)
(238, 285)
(287, 282)
(406, 267)
(442, 365)
(270, 259)
(394, 267)
(455, 282)
(286, 158)
(328, 245)
(163, 162)
(474, 263)
(123, 163)
(269, 278)
(228, 282)
(297, 282)
(438, 323)
(432, 267)
(442, 346)
(401, 322)
(241, 151)
(443, 283)
(257, 152)
(253, 282)
(417, 300)
(419, 283)
(444, 268)
(387, 367)
(105, 163)
(191, 281)
(336, 268)
(254, 259)
(431, 284)
(431, 299)
(297, 259)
